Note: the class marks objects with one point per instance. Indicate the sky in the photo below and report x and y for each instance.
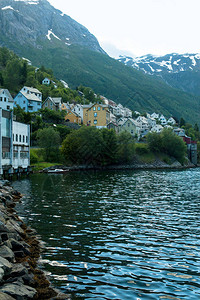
(138, 27)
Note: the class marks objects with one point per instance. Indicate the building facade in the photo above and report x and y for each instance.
(96, 115)
(6, 100)
(53, 103)
(14, 146)
(29, 99)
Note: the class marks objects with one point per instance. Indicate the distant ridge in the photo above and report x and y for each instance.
(180, 71)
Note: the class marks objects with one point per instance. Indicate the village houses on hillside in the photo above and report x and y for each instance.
(15, 136)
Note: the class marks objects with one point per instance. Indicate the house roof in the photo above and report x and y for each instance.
(112, 122)
(31, 97)
(32, 90)
(73, 112)
(10, 98)
(57, 100)
(132, 121)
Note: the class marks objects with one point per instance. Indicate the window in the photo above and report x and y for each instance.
(95, 121)
(99, 108)
(23, 138)
(95, 114)
(128, 124)
(24, 102)
(26, 139)
(5, 155)
(16, 137)
(5, 99)
(8, 107)
(13, 137)
(20, 138)
(94, 108)
(0, 98)
(15, 154)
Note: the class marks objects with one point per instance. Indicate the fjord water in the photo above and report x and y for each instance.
(118, 235)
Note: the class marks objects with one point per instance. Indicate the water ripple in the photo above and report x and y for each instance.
(118, 235)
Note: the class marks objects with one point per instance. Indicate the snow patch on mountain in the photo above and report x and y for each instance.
(170, 63)
(7, 7)
(51, 33)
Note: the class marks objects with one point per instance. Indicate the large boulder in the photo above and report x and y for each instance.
(6, 253)
(4, 296)
(18, 291)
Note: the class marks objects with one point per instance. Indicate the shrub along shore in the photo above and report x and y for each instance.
(20, 277)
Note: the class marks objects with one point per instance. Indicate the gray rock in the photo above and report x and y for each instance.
(8, 244)
(4, 296)
(5, 265)
(18, 291)
(18, 270)
(17, 246)
(1, 274)
(14, 226)
(28, 279)
(3, 227)
(6, 253)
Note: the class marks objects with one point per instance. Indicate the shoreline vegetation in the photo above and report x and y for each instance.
(20, 249)
(155, 165)
(103, 149)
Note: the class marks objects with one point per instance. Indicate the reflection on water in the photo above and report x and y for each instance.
(118, 235)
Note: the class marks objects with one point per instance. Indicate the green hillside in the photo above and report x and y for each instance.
(108, 77)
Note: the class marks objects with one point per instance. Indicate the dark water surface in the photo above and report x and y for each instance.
(118, 235)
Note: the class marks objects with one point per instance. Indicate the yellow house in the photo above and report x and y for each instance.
(72, 117)
(96, 115)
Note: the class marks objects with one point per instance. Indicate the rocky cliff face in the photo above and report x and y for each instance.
(33, 22)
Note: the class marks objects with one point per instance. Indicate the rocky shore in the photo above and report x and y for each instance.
(136, 165)
(20, 277)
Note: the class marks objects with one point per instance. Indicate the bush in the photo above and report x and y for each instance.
(34, 157)
(167, 142)
(141, 149)
(100, 147)
(126, 147)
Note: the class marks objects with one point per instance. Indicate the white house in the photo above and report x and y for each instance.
(46, 81)
(78, 109)
(171, 121)
(119, 111)
(157, 128)
(21, 146)
(14, 145)
(113, 118)
(6, 100)
(127, 112)
(179, 131)
(155, 115)
(151, 122)
(163, 120)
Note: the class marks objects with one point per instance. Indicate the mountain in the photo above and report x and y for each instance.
(33, 22)
(37, 31)
(180, 71)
